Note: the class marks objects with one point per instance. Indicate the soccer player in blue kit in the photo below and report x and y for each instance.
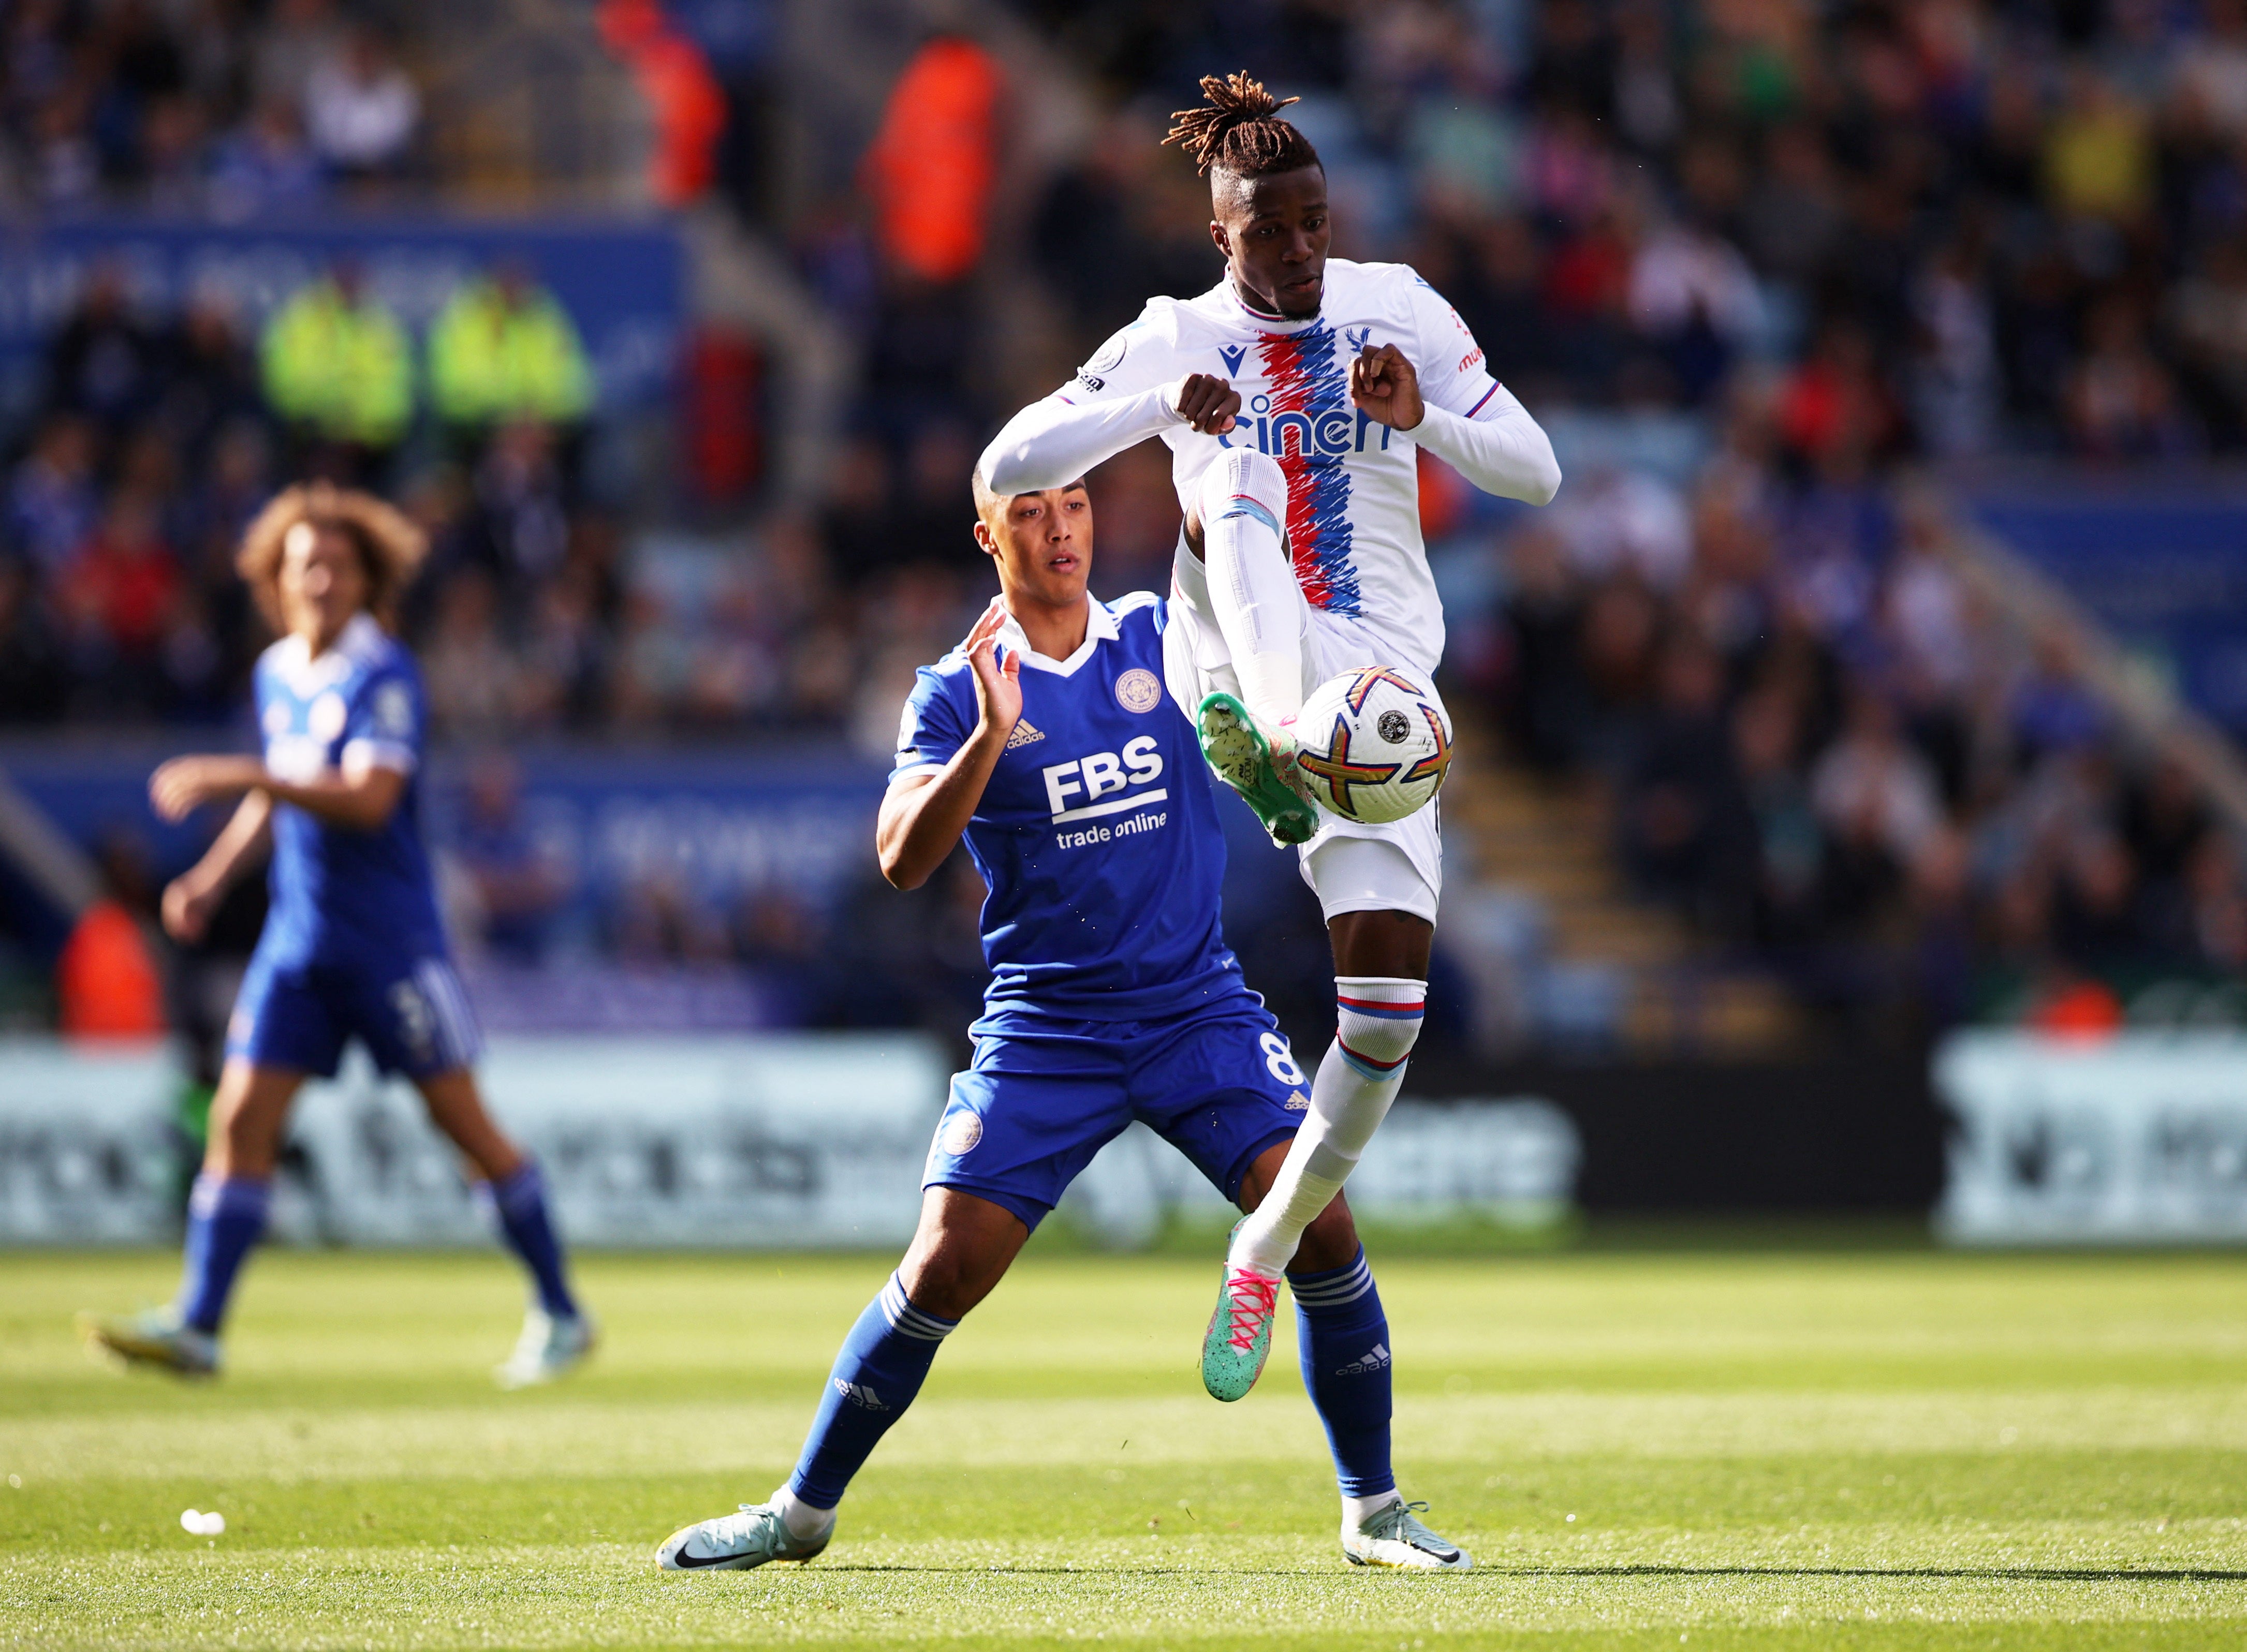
(353, 945)
(1047, 741)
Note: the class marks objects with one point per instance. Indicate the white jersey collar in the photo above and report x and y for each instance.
(358, 642)
(1099, 627)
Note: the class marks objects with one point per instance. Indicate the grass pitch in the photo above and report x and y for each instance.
(1705, 1449)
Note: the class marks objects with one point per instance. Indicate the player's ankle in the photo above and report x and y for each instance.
(805, 1524)
(1357, 1511)
(1257, 1250)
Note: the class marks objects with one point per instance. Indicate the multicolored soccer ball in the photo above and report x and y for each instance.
(1374, 744)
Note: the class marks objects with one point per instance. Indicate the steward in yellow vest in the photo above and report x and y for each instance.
(502, 350)
(338, 365)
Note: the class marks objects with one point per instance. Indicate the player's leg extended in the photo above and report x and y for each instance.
(226, 1218)
(1242, 508)
(1258, 609)
(963, 1247)
(1381, 989)
(557, 1334)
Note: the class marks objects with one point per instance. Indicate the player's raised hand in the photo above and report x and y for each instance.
(1207, 403)
(998, 683)
(1385, 388)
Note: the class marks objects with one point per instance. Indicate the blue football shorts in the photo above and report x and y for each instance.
(410, 1012)
(1044, 1094)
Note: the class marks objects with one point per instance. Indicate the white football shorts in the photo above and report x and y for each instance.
(1351, 866)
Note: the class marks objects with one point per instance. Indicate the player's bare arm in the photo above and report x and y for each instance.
(923, 814)
(191, 898)
(1385, 387)
(360, 798)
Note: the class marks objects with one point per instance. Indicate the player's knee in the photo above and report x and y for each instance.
(242, 1140)
(949, 1280)
(1242, 481)
(1377, 1020)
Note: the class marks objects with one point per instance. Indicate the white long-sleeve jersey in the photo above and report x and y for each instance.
(1353, 483)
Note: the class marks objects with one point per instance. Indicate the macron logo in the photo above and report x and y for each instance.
(1374, 1359)
(861, 1395)
(1232, 355)
(1088, 786)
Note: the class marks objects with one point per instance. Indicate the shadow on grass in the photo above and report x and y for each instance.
(1994, 1573)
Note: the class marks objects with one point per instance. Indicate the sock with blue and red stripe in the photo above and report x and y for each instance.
(516, 1205)
(880, 1368)
(226, 1217)
(1342, 1336)
(1377, 1022)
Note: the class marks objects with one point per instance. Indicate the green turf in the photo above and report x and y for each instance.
(1885, 1448)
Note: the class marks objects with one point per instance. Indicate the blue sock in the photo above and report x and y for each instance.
(882, 1365)
(1344, 1338)
(226, 1216)
(517, 1203)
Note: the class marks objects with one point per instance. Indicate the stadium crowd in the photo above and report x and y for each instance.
(1822, 241)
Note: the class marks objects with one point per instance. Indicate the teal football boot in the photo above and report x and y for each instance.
(1239, 1335)
(1244, 758)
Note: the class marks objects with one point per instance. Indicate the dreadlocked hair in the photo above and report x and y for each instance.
(1238, 130)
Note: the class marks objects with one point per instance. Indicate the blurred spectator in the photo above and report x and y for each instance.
(930, 170)
(116, 596)
(102, 365)
(2211, 71)
(266, 167)
(106, 978)
(515, 890)
(338, 369)
(294, 40)
(361, 109)
(686, 102)
(51, 502)
(34, 674)
(502, 349)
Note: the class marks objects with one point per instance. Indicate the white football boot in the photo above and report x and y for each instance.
(736, 1542)
(1393, 1536)
(549, 1348)
(155, 1338)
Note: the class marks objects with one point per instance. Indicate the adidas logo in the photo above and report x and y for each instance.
(860, 1394)
(1375, 1359)
(1297, 1103)
(1023, 734)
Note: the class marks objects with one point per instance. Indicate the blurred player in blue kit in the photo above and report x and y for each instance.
(1049, 741)
(352, 944)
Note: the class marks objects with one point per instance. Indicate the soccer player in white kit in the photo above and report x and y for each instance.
(1294, 396)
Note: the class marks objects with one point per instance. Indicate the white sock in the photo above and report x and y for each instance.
(1377, 1022)
(1356, 1510)
(1243, 503)
(803, 1522)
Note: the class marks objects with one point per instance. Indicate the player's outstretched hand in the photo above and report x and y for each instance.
(184, 784)
(998, 683)
(1208, 403)
(1385, 387)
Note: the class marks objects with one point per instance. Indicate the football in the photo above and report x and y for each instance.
(1374, 744)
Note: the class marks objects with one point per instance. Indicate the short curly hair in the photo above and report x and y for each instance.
(390, 547)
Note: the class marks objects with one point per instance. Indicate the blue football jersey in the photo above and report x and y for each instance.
(339, 894)
(1098, 834)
